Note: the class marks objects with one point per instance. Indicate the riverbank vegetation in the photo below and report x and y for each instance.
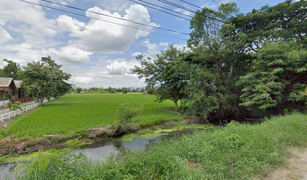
(236, 66)
(73, 113)
(237, 151)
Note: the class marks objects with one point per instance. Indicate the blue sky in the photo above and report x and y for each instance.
(96, 53)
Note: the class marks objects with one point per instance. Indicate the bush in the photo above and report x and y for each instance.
(126, 113)
(124, 90)
(9, 105)
(16, 106)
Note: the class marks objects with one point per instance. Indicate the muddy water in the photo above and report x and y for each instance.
(101, 150)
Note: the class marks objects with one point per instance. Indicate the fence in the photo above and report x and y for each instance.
(23, 109)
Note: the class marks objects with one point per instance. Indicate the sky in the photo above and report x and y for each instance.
(97, 53)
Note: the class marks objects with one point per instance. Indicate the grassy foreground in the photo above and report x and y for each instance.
(233, 152)
(78, 112)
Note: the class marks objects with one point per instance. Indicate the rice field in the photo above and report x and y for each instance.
(78, 112)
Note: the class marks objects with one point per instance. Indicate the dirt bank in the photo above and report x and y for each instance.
(296, 167)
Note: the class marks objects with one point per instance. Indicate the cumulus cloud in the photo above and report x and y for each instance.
(104, 37)
(119, 68)
(136, 54)
(152, 47)
(82, 80)
(73, 54)
(105, 73)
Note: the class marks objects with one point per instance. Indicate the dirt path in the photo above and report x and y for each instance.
(296, 169)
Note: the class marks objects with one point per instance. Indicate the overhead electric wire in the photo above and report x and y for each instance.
(98, 19)
(191, 4)
(165, 8)
(215, 1)
(80, 9)
(184, 8)
(197, 6)
(161, 10)
(170, 13)
(178, 6)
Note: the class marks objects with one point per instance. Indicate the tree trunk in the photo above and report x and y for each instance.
(175, 103)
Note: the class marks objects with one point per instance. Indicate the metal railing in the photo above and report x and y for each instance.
(23, 109)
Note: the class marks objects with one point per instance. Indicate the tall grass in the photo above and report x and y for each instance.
(76, 112)
(232, 152)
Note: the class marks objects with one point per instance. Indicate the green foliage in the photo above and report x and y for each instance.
(78, 89)
(163, 73)
(9, 96)
(16, 106)
(12, 69)
(75, 113)
(126, 113)
(276, 79)
(45, 78)
(124, 90)
(9, 105)
(202, 94)
(111, 90)
(232, 152)
(103, 132)
(101, 90)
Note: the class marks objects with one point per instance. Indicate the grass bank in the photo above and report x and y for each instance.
(78, 112)
(237, 151)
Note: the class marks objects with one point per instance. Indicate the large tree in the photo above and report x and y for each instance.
(12, 69)
(45, 79)
(163, 72)
(278, 79)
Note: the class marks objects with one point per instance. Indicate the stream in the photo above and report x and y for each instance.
(102, 149)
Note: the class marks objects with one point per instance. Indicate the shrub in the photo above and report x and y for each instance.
(126, 113)
(16, 106)
(124, 90)
(9, 105)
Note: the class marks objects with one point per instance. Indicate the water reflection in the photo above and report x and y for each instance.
(101, 150)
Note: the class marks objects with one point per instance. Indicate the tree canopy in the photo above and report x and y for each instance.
(45, 79)
(250, 65)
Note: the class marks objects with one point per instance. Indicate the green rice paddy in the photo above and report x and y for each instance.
(78, 112)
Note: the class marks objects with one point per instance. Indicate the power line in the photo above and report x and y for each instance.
(215, 1)
(191, 4)
(187, 9)
(197, 6)
(98, 19)
(160, 10)
(165, 8)
(178, 6)
(80, 9)
(167, 12)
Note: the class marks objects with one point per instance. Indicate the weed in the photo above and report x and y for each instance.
(103, 132)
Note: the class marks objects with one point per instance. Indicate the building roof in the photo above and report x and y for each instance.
(18, 83)
(5, 81)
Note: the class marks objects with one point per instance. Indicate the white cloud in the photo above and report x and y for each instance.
(119, 68)
(82, 80)
(104, 37)
(152, 47)
(136, 54)
(73, 54)
(4, 35)
(163, 44)
(105, 73)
